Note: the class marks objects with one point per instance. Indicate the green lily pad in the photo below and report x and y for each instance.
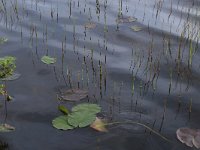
(48, 60)
(3, 40)
(61, 123)
(90, 108)
(6, 128)
(136, 28)
(14, 76)
(74, 95)
(81, 119)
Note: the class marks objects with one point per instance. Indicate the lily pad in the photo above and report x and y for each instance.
(126, 19)
(136, 28)
(90, 108)
(81, 119)
(90, 25)
(61, 123)
(81, 115)
(48, 60)
(14, 76)
(6, 128)
(74, 95)
(3, 40)
(99, 125)
(196, 141)
(190, 137)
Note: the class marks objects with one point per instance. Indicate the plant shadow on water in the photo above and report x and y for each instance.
(150, 76)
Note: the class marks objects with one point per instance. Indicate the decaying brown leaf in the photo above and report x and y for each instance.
(196, 141)
(191, 137)
(99, 125)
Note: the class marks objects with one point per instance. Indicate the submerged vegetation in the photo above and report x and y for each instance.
(7, 66)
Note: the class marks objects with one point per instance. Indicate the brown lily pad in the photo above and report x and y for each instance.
(90, 25)
(190, 137)
(74, 95)
(196, 141)
(126, 19)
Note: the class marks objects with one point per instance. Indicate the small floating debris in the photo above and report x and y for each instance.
(136, 28)
(74, 95)
(48, 60)
(126, 20)
(3, 40)
(90, 25)
(6, 128)
(190, 137)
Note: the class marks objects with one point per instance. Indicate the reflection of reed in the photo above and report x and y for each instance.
(3, 145)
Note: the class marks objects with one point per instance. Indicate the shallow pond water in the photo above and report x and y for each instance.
(150, 76)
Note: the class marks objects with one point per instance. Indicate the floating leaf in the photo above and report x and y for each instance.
(74, 95)
(126, 20)
(99, 125)
(191, 137)
(91, 108)
(82, 115)
(6, 128)
(3, 40)
(136, 28)
(196, 141)
(63, 109)
(14, 76)
(61, 123)
(48, 60)
(90, 25)
(81, 119)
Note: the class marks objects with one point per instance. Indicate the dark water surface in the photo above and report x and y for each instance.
(148, 76)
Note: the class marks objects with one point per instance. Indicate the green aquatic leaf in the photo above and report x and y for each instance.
(136, 28)
(63, 109)
(61, 123)
(6, 128)
(48, 60)
(82, 115)
(3, 40)
(81, 119)
(85, 107)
